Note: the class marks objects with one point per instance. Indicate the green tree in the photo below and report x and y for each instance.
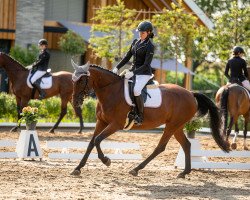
(215, 6)
(177, 31)
(72, 43)
(115, 23)
(23, 55)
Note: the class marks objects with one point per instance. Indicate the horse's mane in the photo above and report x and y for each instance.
(106, 70)
(14, 60)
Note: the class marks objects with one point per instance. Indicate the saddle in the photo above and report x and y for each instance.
(145, 94)
(45, 81)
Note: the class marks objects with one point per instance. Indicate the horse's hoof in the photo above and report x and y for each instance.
(108, 162)
(79, 132)
(181, 175)
(133, 172)
(75, 172)
(234, 146)
(51, 131)
(245, 148)
(14, 129)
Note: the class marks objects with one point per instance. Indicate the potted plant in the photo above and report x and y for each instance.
(29, 116)
(193, 125)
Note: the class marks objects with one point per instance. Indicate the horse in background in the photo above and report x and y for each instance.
(178, 107)
(61, 85)
(234, 99)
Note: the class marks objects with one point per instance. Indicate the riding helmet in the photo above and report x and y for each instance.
(43, 42)
(237, 50)
(145, 26)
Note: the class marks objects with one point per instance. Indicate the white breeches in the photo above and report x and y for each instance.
(246, 84)
(38, 74)
(140, 82)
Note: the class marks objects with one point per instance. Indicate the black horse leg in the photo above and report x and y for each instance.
(62, 114)
(99, 127)
(160, 148)
(245, 134)
(78, 112)
(229, 129)
(236, 132)
(14, 129)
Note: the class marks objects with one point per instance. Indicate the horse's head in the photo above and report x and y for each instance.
(81, 83)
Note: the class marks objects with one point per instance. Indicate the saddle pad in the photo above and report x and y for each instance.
(46, 82)
(153, 101)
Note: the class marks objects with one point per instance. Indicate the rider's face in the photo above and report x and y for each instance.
(143, 35)
(42, 47)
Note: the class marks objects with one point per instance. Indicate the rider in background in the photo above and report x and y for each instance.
(142, 51)
(237, 66)
(40, 67)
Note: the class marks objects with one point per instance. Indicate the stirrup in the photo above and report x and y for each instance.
(42, 96)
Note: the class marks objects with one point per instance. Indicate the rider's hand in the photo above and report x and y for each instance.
(29, 67)
(129, 74)
(115, 70)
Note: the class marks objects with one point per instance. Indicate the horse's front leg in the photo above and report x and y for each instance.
(19, 111)
(99, 127)
(109, 130)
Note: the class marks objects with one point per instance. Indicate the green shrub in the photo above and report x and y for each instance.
(49, 109)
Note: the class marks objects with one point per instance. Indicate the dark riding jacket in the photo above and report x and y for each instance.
(43, 61)
(237, 66)
(142, 57)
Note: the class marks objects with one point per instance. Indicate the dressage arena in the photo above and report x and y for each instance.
(51, 179)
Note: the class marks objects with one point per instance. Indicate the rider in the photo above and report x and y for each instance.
(142, 51)
(40, 66)
(237, 66)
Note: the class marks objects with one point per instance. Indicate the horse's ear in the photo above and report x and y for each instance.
(75, 66)
(87, 65)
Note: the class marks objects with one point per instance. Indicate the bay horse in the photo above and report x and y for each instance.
(178, 107)
(233, 99)
(62, 85)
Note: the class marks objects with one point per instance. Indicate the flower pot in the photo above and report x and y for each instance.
(191, 134)
(31, 126)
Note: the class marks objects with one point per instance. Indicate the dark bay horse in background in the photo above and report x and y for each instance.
(178, 107)
(62, 85)
(234, 99)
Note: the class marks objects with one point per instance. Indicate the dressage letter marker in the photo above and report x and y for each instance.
(28, 145)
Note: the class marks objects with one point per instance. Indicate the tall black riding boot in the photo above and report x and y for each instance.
(42, 94)
(140, 106)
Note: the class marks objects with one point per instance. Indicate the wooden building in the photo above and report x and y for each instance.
(80, 11)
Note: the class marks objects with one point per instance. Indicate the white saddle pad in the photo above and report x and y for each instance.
(46, 82)
(153, 102)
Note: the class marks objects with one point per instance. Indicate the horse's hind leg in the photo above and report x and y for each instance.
(236, 132)
(185, 144)
(160, 148)
(229, 129)
(64, 103)
(245, 132)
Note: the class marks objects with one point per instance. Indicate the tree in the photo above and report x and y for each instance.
(115, 24)
(177, 31)
(72, 43)
(215, 6)
(23, 55)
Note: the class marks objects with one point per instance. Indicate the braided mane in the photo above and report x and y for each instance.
(103, 69)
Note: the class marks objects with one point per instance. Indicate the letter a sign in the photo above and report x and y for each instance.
(28, 145)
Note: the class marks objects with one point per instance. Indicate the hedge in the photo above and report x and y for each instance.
(49, 109)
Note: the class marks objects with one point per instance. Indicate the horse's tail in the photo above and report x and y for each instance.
(223, 106)
(206, 105)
